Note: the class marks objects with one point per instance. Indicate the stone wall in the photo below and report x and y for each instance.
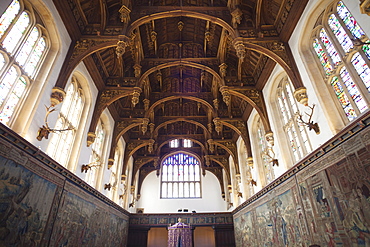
(323, 200)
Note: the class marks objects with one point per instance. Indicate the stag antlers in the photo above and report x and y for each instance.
(310, 124)
(45, 130)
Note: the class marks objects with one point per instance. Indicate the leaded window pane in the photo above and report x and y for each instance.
(180, 174)
(329, 47)
(362, 69)
(353, 90)
(340, 33)
(16, 33)
(8, 17)
(27, 47)
(324, 59)
(343, 99)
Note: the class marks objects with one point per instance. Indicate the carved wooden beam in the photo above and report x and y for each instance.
(255, 99)
(105, 98)
(231, 149)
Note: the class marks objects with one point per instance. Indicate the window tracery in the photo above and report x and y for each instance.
(295, 131)
(264, 153)
(24, 46)
(180, 177)
(61, 142)
(96, 155)
(345, 63)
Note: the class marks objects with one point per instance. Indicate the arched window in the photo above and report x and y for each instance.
(114, 176)
(337, 42)
(295, 131)
(61, 142)
(180, 177)
(23, 46)
(265, 153)
(96, 156)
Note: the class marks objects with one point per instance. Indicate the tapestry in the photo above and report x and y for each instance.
(23, 213)
(85, 221)
(329, 205)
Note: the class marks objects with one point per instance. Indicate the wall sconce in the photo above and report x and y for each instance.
(45, 130)
(179, 210)
(121, 196)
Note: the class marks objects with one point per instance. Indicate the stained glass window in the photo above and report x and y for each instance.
(343, 99)
(25, 48)
(353, 90)
(180, 177)
(340, 33)
(322, 55)
(329, 47)
(362, 69)
(61, 143)
(349, 20)
(16, 33)
(8, 17)
(346, 83)
(296, 133)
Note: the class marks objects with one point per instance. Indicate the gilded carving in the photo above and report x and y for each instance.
(57, 96)
(84, 45)
(365, 7)
(90, 138)
(300, 94)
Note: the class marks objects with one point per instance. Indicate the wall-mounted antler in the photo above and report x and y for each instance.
(107, 186)
(86, 167)
(270, 154)
(310, 124)
(45, 130)
(253, 182)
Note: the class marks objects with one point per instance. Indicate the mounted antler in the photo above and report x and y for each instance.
(253, 182)
(45, 130)
(107, 186)
(86, 167)
(310, 124)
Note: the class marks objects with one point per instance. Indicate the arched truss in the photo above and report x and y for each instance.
(231, 153)
(178, 63)
(208, 134)
(158, 102)
(185, 13)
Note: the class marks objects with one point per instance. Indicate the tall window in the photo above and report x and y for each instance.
(114, 176)
(296, 132)
(96, 156)
(61, 142)
(265, 153)
(345, 63)
(180, 177)
(23, 46)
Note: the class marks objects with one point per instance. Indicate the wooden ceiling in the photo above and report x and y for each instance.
(174, 69)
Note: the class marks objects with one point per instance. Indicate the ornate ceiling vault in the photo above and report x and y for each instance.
(176, 69)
